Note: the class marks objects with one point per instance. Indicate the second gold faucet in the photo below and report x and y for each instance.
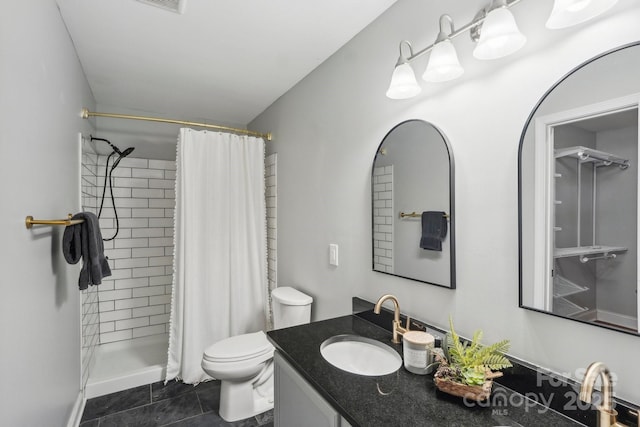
(607, 415)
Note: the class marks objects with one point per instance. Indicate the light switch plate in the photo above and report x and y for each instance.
(333, 254)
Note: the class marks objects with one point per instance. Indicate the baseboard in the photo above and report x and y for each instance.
(76, 412)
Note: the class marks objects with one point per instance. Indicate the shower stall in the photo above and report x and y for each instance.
(125, 320)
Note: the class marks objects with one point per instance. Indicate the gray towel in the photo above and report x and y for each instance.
(434, 230)
(85, 240)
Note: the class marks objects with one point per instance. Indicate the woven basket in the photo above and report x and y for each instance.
(471, 392)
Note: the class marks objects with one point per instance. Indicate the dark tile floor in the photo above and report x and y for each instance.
(175, 404)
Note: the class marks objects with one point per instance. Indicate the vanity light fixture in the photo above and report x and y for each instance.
(403, 81)
(566, 13)
(443, 62)
(494, 29)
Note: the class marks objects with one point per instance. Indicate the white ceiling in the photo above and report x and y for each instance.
(221, 61)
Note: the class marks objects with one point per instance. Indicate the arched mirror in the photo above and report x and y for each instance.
(578, 178)
(413, 205)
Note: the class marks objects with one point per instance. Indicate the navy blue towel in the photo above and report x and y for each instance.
(434, 230)
(85, 240)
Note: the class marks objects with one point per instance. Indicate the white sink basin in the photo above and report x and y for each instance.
(360, 355)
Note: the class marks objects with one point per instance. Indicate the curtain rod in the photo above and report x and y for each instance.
(86, 114)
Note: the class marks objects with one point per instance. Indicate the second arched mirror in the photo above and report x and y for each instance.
(413, 213)
(579, 199)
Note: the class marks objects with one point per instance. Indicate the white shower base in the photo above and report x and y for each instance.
(126, 364)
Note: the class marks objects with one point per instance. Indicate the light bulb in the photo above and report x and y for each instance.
(403, 82)
(567, 13)
(443, 63)
(577, 5)
(499, 35)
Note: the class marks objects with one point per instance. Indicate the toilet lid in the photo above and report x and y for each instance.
(239, 347)
(290, 296)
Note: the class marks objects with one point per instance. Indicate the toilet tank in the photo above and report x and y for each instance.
(290, 307)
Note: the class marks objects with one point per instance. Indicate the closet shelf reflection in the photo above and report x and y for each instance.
(587, 250)
(586, 154)
(564, 307)
(563, 287)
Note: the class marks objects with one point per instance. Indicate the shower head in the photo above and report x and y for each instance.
(126, 152)
(116, 150)
(122, 154)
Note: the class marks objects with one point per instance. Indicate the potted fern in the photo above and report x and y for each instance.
(467, 369)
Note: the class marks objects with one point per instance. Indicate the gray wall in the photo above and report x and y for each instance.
(42, 89)
(326, 131)
(617, 223)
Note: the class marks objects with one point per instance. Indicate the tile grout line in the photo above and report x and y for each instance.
(151, 402)
(199, 403)
(126, 409)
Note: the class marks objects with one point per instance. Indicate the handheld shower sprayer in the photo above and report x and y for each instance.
(107, 175)
(121, 155)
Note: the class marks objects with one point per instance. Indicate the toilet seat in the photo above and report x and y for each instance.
(239, 348)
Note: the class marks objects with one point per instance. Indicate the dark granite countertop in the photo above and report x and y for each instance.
(401, 398)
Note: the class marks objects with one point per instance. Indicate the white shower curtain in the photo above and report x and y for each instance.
(220, 259)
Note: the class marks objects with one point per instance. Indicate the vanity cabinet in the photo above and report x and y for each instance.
(297, 403)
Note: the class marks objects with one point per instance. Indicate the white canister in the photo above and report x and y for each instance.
(416, 348)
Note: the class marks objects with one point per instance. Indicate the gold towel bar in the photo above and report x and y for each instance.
(415, 215)
(29, 221)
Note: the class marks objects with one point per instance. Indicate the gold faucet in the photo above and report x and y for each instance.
(607, 416)
(397, 328)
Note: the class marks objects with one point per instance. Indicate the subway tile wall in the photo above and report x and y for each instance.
(271, 194)
(383, 218)
(136, 300)
(89, 297)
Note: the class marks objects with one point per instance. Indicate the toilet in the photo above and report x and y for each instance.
(244, 363)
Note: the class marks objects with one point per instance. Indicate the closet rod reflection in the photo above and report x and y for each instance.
(86, 114)
(30, 222)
